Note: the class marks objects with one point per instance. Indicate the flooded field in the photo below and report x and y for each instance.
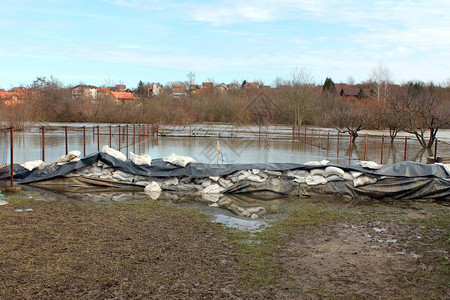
(237, 144)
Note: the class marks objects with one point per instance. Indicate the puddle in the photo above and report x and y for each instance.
(274, 207)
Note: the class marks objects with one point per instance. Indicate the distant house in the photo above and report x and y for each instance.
(123, 97)
(179, 92)
(349, 93)
(207, 85)
(222, 87)
(233, 87)
(155, 90)
(251, 85)
(84, 92)
(15, 96)
(119, 88)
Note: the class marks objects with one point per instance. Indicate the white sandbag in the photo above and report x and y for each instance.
(171, 181)
(445, 166)
(72, 156)
(263, 175)
(214, 178)
(114, 153)
(206, 182)
(290, 173)
(301, 173)
(364, 180)
(213, 189)
(313, 163)
(333, 171)
(122, 176)
(317, 163)
(332, 178)
(273, 173)
(30, 165)
(226, 183)
(315, 180)
(255, 178)
(95, 170)
(347, 176)
(320, 172)
(186, 179)
(255, 171)
(369, 165)
(178, 160)
(141, 160)
(102, 164)
(152, 187)
(300, 179)
(211, 198)
(356, 174)
(154, 195)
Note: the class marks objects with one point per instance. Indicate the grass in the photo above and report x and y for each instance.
(142, 249)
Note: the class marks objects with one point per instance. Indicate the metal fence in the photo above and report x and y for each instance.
(126, 137)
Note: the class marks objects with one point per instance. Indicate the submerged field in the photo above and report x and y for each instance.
(323, 248)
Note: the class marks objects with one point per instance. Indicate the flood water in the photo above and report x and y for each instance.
(237, 144)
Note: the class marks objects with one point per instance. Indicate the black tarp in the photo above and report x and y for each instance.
(159, 168)
(406, 180)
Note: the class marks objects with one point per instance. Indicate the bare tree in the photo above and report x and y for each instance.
(350, 80)
(420, 110)
(299, 94)
(190, 84)
(380, 79)
(351, 118)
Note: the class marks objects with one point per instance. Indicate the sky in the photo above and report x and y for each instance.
(104, 42)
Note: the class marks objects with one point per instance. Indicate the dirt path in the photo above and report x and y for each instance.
(397, 254)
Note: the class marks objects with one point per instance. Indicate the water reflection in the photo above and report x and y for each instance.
(275, 145)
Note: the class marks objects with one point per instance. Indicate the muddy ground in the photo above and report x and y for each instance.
(323, 249)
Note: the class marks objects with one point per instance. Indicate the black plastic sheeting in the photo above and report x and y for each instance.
(412, 180)
(159, 168)
(388, 188)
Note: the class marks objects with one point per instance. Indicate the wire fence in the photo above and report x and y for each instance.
(128, 137)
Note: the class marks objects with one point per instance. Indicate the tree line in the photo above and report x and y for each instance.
(414, 107)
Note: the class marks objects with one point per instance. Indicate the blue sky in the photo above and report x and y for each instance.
(123, 41)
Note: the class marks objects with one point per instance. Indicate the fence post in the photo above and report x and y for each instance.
(119, 137)
(328, 141)
(338, 143)
(382, 148)
(12, 155)
(98, 138)
(67, 140)
(110, 136)
(84, 140)
(43, 143)
(350, 150)
(406, 144)
(320, 142)
(435, 150)
(365, 147)
(312, 137)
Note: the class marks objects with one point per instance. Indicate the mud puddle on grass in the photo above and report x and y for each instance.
(241, 212)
